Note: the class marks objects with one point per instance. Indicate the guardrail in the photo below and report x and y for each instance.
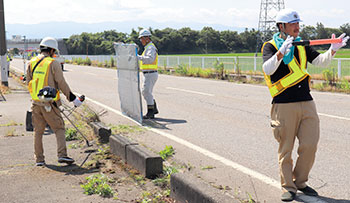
(340, 66)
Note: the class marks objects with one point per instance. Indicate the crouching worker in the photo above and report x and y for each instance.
(45, 80)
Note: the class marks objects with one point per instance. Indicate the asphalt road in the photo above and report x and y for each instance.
(231, 121)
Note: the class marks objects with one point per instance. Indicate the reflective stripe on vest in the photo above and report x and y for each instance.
(297, 72)
(40, 77)
(152, 66)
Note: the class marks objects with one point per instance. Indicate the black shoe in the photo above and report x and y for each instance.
(288, 196)
(147, 116)
(66, 160)
(150, 112)
(309, 191)
(155, 111)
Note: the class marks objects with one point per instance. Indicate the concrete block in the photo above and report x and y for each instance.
(187, 188)
(102, 132)
(148, 163)
(118, 145)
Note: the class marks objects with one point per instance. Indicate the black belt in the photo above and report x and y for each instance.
(151, 71)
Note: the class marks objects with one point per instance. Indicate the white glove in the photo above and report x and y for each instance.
(77, 102)
(337, 46)
(287, 44)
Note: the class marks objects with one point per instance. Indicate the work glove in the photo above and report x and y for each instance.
(337, 46)
(287, 44)
(77, 102)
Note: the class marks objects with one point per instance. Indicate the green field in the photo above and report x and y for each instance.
(342, 53)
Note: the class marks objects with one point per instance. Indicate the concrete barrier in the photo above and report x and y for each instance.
(118, 145)
(149, 164)
(186, 188)
(101, 131)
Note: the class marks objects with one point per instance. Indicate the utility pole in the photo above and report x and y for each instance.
(3, 59)
(267, 22)
(24, 55)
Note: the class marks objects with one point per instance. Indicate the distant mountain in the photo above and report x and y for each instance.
(66, 29)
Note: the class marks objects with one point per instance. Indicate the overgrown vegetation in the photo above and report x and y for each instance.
(98, 184)
(332, 83)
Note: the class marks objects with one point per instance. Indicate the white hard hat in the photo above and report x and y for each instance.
(49, 42)
(144, 33)
(287, 16)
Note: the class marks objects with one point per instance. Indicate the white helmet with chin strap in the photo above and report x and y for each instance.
(144, 33)
(49, 42)
(287, 16)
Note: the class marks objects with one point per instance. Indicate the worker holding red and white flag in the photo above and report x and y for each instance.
(293, 112)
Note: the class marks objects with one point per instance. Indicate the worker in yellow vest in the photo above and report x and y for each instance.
(293, 112)
(8, 59)
(45, 73)
(149, 68)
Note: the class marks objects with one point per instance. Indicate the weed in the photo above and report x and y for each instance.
(71, 134)
(167, 152)
(207, 167)
(11, 123)
(98, 184)
(73, 146)
(219, 69)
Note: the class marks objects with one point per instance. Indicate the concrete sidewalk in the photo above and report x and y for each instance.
(22, 181)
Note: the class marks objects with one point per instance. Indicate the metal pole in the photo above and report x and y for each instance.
(4, 76)
(339, 69)
(24, 55)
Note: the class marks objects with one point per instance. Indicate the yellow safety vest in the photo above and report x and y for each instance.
(297, 72)
(40, 76)
(152, 66)
(8, 58)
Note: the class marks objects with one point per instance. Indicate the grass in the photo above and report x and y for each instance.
(125, 129)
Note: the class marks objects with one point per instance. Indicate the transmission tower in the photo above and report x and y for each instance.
(267, 23)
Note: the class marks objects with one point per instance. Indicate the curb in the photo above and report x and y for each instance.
(186, 188)
(148, 163)
(101, 131)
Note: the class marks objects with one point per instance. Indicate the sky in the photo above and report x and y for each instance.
(232, 13)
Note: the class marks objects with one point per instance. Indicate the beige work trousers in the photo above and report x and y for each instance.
(54, 118)
(290, 121)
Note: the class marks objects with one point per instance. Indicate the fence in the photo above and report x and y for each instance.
(340, 66)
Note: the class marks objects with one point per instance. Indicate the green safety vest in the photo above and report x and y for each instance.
(297, 72)
(8, 58)
(40, 76)
(152, 66)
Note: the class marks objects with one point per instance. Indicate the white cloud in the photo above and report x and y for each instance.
(225, 12)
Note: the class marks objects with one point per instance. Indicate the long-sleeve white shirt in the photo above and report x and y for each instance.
(150, 54)
(323, 60)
